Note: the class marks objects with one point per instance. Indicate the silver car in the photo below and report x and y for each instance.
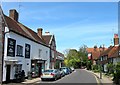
(50, 74)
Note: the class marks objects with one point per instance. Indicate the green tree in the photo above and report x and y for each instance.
(75, 58)
(83, 55)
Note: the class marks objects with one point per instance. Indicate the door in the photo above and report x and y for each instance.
(8, 74)
(40, 69)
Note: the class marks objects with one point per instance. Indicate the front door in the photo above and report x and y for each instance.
(8, 73)
(40, 69)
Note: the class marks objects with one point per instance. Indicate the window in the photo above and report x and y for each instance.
(18, 68)
(27, 51)
(19, 50)
(11, 47)
(39, 54)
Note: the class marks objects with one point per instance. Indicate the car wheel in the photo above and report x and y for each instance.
(55, 79)
(42, 79)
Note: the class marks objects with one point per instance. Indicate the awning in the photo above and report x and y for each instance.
(11, 62)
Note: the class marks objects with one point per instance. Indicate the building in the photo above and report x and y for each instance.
(59, 60)
(111, 55)
(50, 41)
(94, 53)
(24, 49)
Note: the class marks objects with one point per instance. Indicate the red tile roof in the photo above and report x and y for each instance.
(112, 51)
(95, 52)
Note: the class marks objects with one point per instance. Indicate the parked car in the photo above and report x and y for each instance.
(66, 70)
(50, 74)
(72, 69)
(62, 73)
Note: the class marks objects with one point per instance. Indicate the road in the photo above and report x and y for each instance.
(78, 76)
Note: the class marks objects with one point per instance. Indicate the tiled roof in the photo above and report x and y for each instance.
(23, 30)
(60, 54)
(95, 52)
(112, 51)
(47, 38)
(106, 51)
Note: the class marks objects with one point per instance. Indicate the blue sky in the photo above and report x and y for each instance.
(73, 24)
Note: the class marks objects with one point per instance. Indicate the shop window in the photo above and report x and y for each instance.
(19, 51)
(18, 68)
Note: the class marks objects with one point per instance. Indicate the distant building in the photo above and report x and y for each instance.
(111, 55)
(94, 53)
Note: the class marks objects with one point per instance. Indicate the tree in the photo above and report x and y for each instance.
(75, 58)
(83, 55)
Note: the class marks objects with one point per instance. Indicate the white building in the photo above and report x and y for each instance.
(24, 49)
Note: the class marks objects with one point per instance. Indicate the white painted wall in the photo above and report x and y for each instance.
(20, 40)
(105, 67)
(115, 60)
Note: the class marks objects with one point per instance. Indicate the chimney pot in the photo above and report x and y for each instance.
(13, 14)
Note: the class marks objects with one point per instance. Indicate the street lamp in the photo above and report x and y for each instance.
(100, 49)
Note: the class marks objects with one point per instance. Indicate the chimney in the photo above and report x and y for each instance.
(13, 14)
(95, 47)
(116, 40)
(47, 33)
(39, 32)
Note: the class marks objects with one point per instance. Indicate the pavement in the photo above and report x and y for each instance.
(104, 80)
(31, 81)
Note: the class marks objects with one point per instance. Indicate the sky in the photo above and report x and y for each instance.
(73, 23)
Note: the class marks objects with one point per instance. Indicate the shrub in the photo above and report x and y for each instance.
(117, 73)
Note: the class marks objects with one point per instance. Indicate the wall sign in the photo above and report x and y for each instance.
(27, 51)
(11, 47)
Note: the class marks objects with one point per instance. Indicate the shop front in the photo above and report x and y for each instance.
(37, 67)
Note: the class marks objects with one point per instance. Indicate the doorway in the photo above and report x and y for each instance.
(8, 68)
(40, 69)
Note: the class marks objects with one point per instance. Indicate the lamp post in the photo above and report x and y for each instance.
(100, 49)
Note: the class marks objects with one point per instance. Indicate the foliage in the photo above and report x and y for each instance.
(117, 73)
(110, 68)
(76, 58)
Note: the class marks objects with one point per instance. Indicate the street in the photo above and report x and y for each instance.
(78, 76)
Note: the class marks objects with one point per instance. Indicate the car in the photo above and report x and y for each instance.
(53, 74)
(62, 73)
(66, 70)
(72, 68)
